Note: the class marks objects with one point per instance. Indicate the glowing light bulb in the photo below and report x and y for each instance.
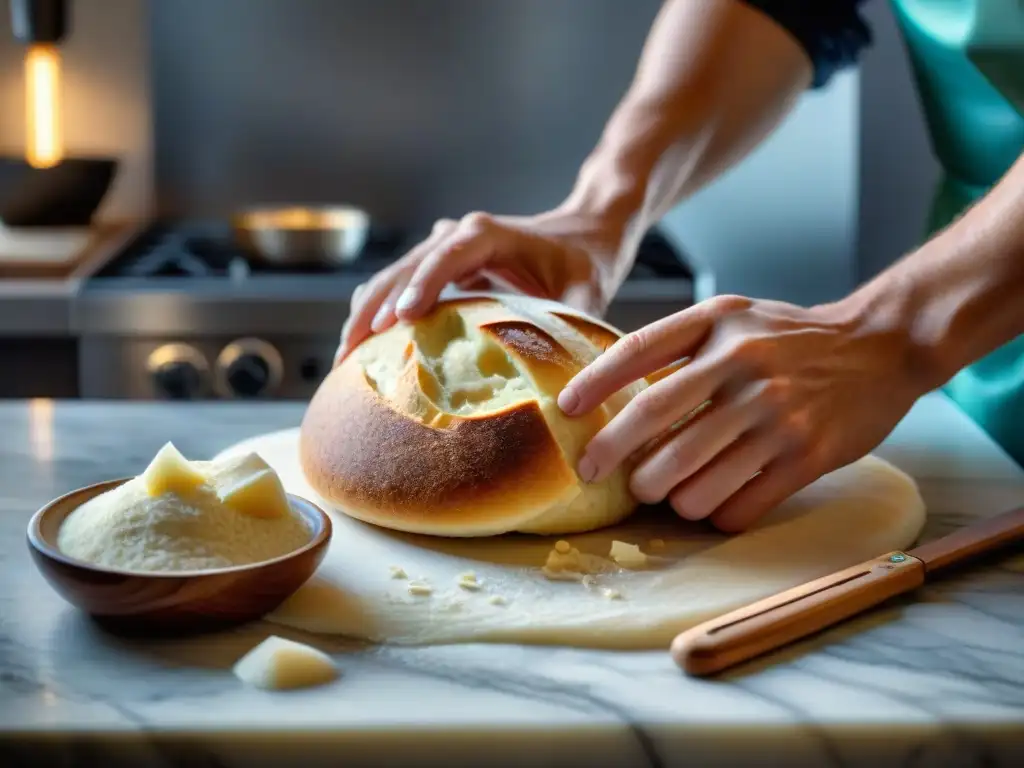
(44, 141)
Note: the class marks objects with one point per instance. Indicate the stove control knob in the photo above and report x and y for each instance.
(249, 368)
(178, 372)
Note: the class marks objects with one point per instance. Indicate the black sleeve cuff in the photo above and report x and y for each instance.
(832, 32)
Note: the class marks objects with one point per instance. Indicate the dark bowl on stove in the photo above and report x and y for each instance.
(66, 195)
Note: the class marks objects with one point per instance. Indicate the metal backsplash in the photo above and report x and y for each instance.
(415, 109)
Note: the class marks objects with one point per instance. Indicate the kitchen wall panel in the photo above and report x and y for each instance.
(426, 108)
(414, 108)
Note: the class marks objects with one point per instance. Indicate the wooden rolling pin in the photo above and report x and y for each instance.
(789, 616)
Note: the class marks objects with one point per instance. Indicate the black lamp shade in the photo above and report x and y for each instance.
(66, 195)
(39, 21)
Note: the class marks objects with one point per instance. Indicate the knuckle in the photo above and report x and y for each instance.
(775, 394)
(727, 304)
(631, 345)
(817, 460)
(581, 382)
(747, 351)
(476, 223)
(730, 525)
(387, 276)
(687, 504)
(443, 225)
(650, 404)
(652, 482)
(644, 489)
(600, 450)
(796, 430)
(376, 293)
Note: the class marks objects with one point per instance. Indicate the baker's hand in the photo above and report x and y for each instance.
(794, 394)
(556, 255)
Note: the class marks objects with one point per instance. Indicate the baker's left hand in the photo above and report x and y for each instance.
(794, 393)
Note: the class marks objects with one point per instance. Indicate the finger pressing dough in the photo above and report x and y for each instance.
(688, 573)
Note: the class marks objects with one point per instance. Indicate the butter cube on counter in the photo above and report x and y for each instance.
(627, 555)
(170, 472)
(279, 664)
(248, 485)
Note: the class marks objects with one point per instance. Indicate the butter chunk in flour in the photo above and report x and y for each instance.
(249, 486)
(170, 472)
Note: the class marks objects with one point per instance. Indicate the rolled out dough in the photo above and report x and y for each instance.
(851, 515)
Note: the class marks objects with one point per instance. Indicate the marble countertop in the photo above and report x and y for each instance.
(938, 680)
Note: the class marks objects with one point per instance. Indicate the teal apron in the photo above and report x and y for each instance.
(968, 60)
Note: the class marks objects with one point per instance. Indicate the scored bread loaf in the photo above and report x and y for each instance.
(449, 425)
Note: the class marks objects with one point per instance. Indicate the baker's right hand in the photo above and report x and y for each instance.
(555, 255)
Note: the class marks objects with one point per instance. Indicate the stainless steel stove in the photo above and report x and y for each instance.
(179, 312)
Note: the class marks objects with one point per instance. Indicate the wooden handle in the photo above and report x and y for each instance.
(977, 539)
(791, 615)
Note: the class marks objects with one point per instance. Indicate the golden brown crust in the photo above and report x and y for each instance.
(445, 477)
(549, 361)
(598, 335)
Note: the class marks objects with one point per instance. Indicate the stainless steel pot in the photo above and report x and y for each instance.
(297, 235)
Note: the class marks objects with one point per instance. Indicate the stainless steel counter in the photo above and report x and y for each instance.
(31, 308)
(162, 336)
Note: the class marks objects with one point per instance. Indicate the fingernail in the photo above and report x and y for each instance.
(408, 299)
(587, 469)
(568, 401)
(380, 318)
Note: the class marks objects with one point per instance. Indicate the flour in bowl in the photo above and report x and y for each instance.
(187, 516)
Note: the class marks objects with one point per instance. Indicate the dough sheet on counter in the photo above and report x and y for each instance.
(385, 586)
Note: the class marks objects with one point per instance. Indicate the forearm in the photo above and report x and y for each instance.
(960, 295)
(714, 79)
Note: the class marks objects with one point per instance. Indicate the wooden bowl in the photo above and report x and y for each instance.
(181, 602)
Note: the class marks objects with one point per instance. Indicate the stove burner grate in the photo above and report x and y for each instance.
(209, 250)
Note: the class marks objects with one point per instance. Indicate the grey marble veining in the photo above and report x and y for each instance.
(934, 681)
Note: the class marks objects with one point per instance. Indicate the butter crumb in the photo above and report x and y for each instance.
(398, 573)
(627, 555)
(419, 588)
(566, 563)
(612, 594)
(468, 581)
(497, 600)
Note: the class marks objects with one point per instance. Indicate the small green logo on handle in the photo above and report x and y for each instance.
(899, 557)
